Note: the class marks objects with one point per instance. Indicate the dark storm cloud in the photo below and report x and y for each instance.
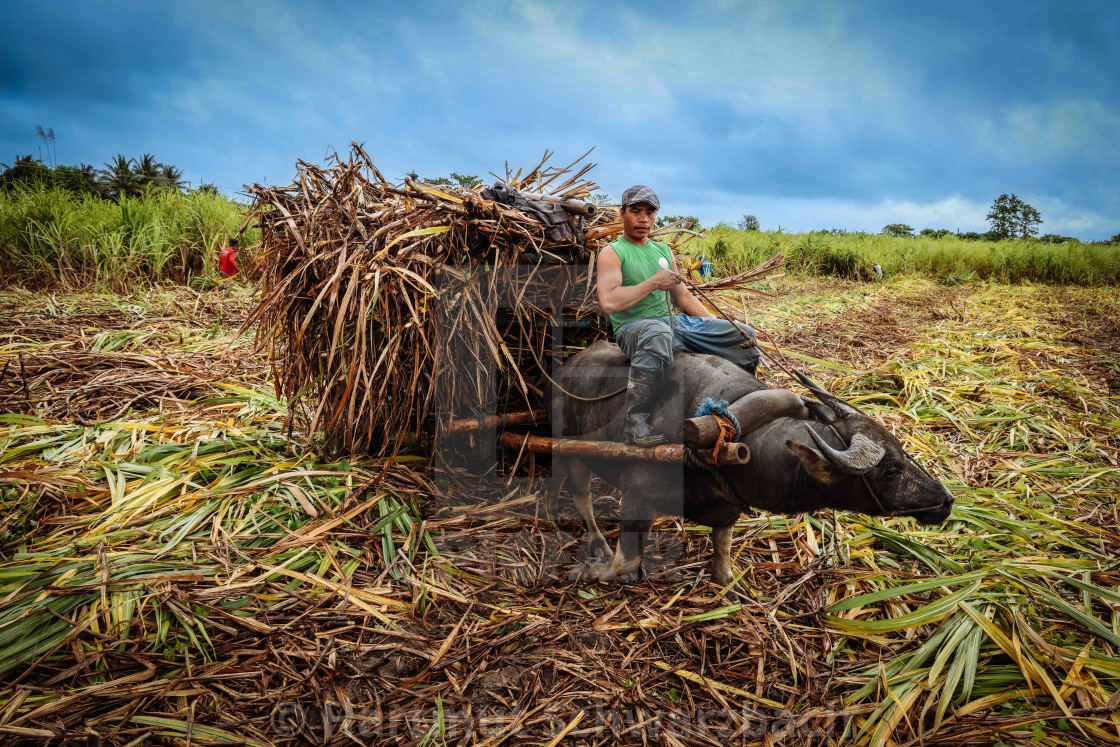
(74, 53)
(817, 110)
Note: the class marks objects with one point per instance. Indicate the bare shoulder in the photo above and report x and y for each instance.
(607, 255)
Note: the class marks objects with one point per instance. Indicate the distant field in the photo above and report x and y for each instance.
(50, 237)
(949, 260)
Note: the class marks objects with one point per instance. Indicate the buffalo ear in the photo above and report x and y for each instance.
(815, 464)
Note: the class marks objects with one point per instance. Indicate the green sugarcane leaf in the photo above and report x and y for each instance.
(925, 615)
(895, 592)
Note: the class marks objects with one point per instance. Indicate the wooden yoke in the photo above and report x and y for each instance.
(752, 411)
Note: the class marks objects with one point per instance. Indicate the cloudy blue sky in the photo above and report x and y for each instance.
(806, 114)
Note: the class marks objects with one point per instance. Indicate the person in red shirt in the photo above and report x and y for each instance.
(227, 265)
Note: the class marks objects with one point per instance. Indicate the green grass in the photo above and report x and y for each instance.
(949, 260)
(51, 237)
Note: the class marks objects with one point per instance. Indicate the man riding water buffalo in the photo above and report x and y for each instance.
(636, 281)
(805, 455)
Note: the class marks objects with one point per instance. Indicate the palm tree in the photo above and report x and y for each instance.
(120, 179)
(170, 177)
(88, 172)
(26, 170)
(81, 179)
(148, 170)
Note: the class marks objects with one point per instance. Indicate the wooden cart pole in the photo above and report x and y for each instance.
(500, 420)
(728, 454)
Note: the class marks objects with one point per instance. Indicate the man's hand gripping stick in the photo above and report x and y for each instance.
(747, 341)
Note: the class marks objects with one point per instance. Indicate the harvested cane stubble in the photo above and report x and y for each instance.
(189, 573)
(254, 603)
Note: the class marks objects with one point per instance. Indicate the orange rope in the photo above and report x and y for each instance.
(726, 432)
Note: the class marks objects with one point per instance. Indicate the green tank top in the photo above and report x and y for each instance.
(638, 264)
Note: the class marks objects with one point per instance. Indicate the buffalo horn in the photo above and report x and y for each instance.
(821, 411)
(859, 457)
(839, 406)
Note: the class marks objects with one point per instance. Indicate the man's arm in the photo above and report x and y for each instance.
(615, 297)
(687, 302)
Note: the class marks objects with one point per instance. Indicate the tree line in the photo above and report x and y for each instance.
(1009, 217)
(120, 177)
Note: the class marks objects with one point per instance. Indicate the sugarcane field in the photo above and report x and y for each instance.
(313, 507)
(534, 374)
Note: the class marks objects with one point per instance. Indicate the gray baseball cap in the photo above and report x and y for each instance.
(640, 193)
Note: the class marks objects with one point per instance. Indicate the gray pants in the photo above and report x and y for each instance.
(651, 343)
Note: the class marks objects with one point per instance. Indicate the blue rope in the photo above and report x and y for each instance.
(711, 407)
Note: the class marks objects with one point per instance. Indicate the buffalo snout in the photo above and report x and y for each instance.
(937, 509)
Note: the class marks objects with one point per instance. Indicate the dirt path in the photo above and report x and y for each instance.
(1093, 326)
(865, 331)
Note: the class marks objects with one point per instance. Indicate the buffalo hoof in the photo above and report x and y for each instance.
(638, 574)
(598, 549)
(592, 570)
(605, 571)
(734, 591)
(551, 511)
(730, 588)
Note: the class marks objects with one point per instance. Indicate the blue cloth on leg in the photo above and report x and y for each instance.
(651, 343)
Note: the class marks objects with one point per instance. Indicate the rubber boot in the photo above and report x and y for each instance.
(640, 390)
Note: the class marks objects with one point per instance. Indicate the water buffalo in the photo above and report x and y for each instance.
(827, 455)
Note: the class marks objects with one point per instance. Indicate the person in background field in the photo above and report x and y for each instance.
(706, 269)
(635, 284)
(227, 264)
